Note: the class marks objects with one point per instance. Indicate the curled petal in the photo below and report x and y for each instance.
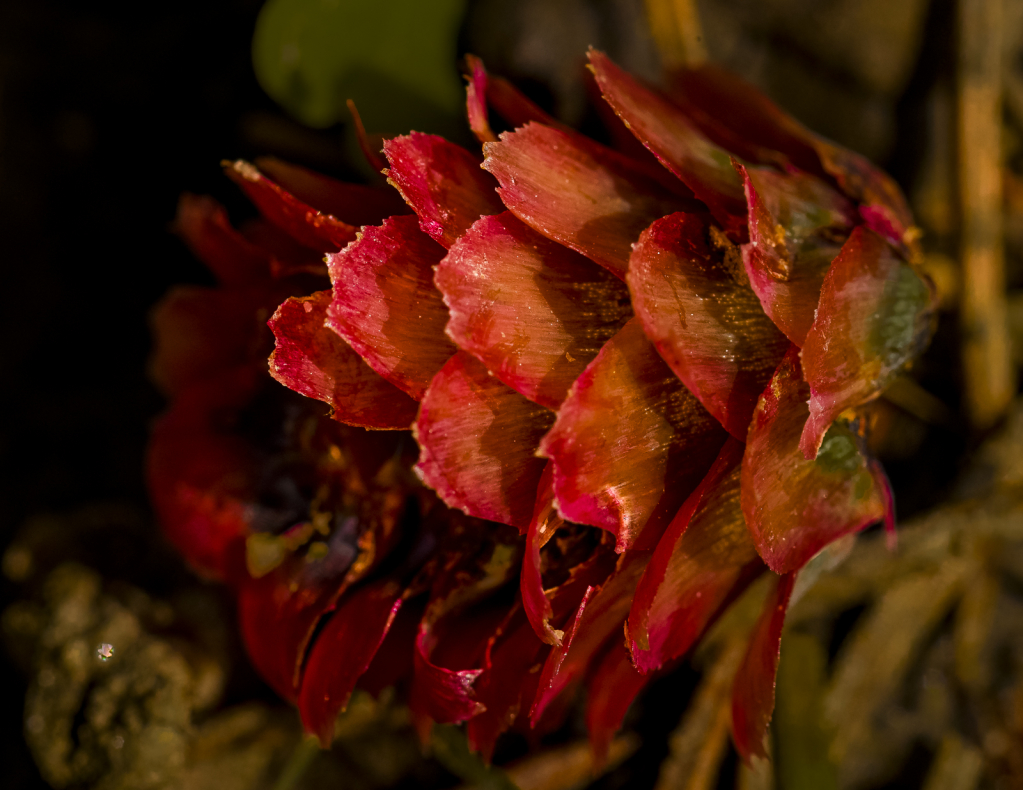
(676, 141)
(342, 653)
(610, 691)
(386, 306)
(703, 560)
(590, 199)
(876, 313)
(630, 442)
(203, 225)
(355, 204)
(552, 680)
(736, 115)
(444, 695)
(314, 361)
(794, 507)
(709, 329)
(299, 220)
(796, 227)
(544, 524)
(510, 103)
(534, 312)
(442, 182)
(476, 100)
(477, 440)
(753, 691)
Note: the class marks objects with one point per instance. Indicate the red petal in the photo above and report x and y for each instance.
(673, 138)
(386, 306)
(199, 332)
(199, 471)
(796, 224)
(342, 653)
(476, 100)
(875, 315)
(794, 507)
(590, 199)
(203, 225)
(542, 527)
(704, 559)
(478, 439)
(753, 691)
(509, 102)
(610, 691)
(442, 182)
(534, 312)
(552, 680)
(312, 360)
(735, 114)
(630, 442)
(451, 699)
(710, 330)
(302, 222)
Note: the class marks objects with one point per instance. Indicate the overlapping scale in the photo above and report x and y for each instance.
(442, 182)
(793, 506)
(630, 441)
(592, 200)
(703, 560)
(797, 225)
(876, 313)
(314, 229)
(710, 329)
(478, 440)
(313, 360)
(534, 312)
(385, 305)
(676, 141)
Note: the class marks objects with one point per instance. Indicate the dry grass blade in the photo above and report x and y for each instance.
(957, 767)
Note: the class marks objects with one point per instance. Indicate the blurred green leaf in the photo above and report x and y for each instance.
(451, 749)
(395, 58)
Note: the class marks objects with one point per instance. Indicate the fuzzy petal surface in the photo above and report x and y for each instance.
(753, 690)
(478, 440)
(534, 312)
(703, 560)
(386, 306)
(797, 225)
(442, 182)
(314, 361)
(630, 442)
(676, 141)
(590, 199)
(876, 313)
(794, 507)
(710, 329)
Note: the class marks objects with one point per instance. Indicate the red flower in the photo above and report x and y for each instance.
(639, 376)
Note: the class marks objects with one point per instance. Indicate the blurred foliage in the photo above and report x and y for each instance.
(397, 59)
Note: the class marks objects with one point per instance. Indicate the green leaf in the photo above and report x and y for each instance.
(395, 58)
(451, 749)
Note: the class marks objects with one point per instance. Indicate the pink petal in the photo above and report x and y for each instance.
(534, 312)
(342, 653)
(476, 100)
(203, 225)
(442, 182)
(876, 313)
(710, 329)
(509, 102)
(478, 441)
(753, 691)
(630, 442)
(703, 560)
(353, 203)
(796, 227)
(574, 192)
(301, 221)
(610, 691)
(676, 141)
(386, 306)
(312, 360)
(794, 507)
(736, 115)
